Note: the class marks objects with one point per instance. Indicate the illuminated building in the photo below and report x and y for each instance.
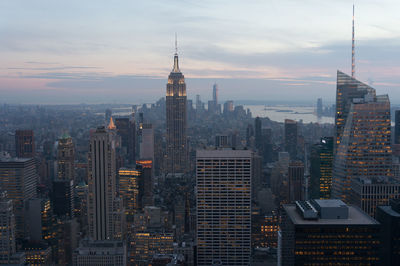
(103, 206)
(389, 217)
(291, 138)
(65, 158)
(327, 232)
(397, 127)
(365, 146)
(40, 220)
(223, 179)
(150, 242)
(347, 89)
(296, 180)
(24, 143)
(100, 253)
(8, 253)
(177, 149)
(129, 192)
(321, 169)
(37, 253)
(18, 177)
(146, 182)
(367, 194)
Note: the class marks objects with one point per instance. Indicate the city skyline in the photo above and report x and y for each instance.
(262, 46)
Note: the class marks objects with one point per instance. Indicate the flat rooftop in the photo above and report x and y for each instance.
(389, 210)
(330, 203)
(356, 217)
(223, 153)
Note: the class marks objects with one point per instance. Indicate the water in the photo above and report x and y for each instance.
(279, 113)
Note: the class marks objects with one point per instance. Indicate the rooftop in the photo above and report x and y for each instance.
(356, 217)
(223, 153)
(331, 203)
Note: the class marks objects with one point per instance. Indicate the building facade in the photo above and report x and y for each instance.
(223, 179)
(291, 138)
(65, 158)
(24, 143)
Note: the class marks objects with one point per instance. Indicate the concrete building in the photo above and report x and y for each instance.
(65, 158)
(24, 144)
(291, 138)
(100, 253)
(223, 179)
(325, 232)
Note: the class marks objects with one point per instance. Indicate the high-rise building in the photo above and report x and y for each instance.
(102, 203)
(296, 181)
(24, 143)
(347, 89)
(7, 229)
(19, 178)
(215, 93)
(397, 127)
(129, 180)
(291, 138)
(223, 179)
(147, 142)
(327, 232)
(146, 182)
(177, 146)
(367, 194)
(258, 135)
(126, 129)
(319, 107)
(63, 198)
(364, 149)
(100, 253)
(321, 169)
(228, 108)
(65, 158)
(389, 217)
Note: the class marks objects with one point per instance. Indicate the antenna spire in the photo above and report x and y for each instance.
(176, 43)
(353, 60)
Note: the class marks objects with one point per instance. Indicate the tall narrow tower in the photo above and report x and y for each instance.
(353, 60)
(177, 150)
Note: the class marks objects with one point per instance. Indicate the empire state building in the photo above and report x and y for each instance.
(177, 149)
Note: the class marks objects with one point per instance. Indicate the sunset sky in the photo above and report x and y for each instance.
(122, 51)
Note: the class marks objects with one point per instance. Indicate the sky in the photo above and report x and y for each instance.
(61, 52)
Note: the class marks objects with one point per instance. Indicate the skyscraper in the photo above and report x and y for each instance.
(397, 127)
(223, 180)
(321, 169)
(291, 138)
(215, 94)
(147, 142)
(24, 143)
(65, 158)
(364, 148)
(19, 178)
(258, 135)
(102, 202)
(177, 149)
(7, 229)
(296, 180)
(347, 89)
(126, 128)
(319, 107)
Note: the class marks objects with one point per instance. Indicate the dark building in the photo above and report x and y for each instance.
(177, 146)
(24, 143)
(291, 138)
(258, 135)
(296, 179)
(389, 217)
(327, 232)
(146, 197)
(319, 107)
(63, 197)
(65, 158)
(321, 169)
(126, 129)
(397, 127)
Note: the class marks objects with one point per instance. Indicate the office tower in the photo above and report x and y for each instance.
(146, 197)
(389, 218)
(24, 143)
(7, 230)
(367, 194)
(291, 138)
(347, 89)
(258, 136)
(364, 149)
(177, 149)
(37, 253)
(18, 177)
(223, 179)
(327, 232)
(100, 253)
(68, 232)
(63, 198)
(321, 169)
(228, 107)
(107, 116)
(221, 141)
(129, 180)
(296, 180)
(147, 142)
(198, 103)
(126, 129)
(267, 145)
(40, 221)
(215, 94)
(319, 107)
(148, 243)
(102, 201)
(397, 127)
(65, 158)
